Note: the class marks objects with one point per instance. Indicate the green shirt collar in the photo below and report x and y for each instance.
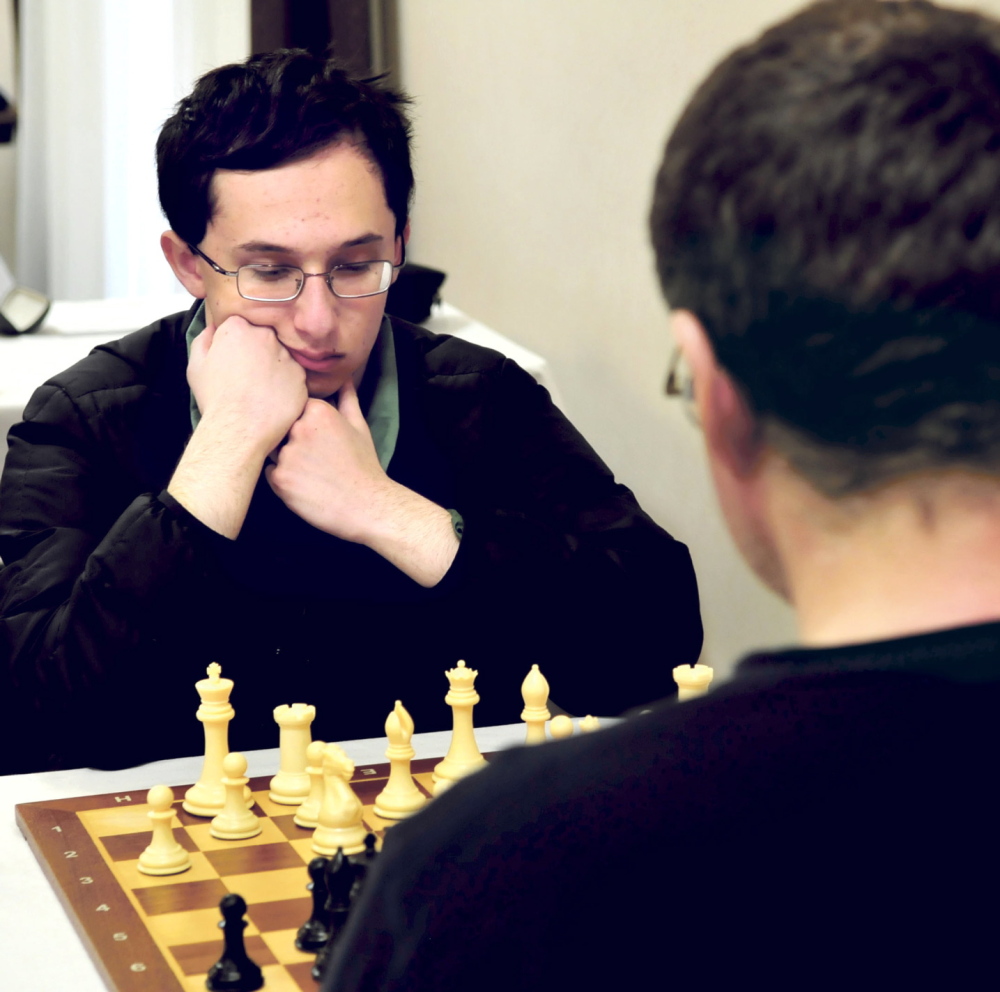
(382, 414)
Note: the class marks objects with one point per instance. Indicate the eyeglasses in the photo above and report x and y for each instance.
(680, 383)
(269, 283)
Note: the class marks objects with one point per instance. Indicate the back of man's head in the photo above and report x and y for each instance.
(829, 208)
(270, 110)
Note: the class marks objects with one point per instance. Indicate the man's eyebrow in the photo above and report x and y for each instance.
(268, 246)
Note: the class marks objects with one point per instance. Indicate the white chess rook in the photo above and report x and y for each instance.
(290, 787)
(163, 856)
(207, 796)
(463, 753)
(340, 823)
(400, 798)
(535, 693)
(235, 821)
(692, 681)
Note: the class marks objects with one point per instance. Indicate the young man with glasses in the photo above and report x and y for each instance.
(827, 232)
(334, 504)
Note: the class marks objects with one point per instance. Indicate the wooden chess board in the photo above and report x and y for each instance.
(160, 933)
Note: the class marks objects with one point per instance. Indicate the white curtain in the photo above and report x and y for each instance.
(98, 78)
(8, 85)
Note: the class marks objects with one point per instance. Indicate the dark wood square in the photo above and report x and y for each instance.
(301, 973)
(128, 847)
(180, 897)
(282, 914)
(187, 819)
(262, 857)
(196, 959)
(287, 825)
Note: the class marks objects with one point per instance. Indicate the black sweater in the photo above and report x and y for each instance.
(825, 820)
(113, 599)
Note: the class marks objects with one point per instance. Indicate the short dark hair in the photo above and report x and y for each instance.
(273, 109)
(829, 207)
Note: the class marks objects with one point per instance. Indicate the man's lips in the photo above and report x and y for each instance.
(317, 362)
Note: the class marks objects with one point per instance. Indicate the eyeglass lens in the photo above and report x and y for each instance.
(284, 282)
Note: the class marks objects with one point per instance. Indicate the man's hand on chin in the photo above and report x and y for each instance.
(243, 376)
(328, 473)
(249, 391)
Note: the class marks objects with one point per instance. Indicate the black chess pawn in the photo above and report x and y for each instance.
(362, 865)
(340, 876)
(315, 932)
(234, 971)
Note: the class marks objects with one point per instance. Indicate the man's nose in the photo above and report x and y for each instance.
(316, 308)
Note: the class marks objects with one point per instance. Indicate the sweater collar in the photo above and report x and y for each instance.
(968, 655)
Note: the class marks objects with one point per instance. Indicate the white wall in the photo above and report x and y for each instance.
(539, 126)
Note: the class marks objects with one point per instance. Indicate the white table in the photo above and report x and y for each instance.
(41, 950)
(72, 329)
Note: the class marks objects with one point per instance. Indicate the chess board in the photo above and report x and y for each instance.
(160, 933)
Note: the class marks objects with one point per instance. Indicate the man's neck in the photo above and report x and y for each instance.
(912, 557)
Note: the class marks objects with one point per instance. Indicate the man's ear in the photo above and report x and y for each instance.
(731, 431)
(399, 250)
(184, 262)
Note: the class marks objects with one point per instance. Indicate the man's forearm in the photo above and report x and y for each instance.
(414, 534)
(215, 477)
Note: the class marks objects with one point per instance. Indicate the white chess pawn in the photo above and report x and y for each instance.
(308, 813)
(290, 786)
(340, 823)
(535, 693)
(463, 752)
(163, 856)
(561, 727)
(235, 822)
(692, 681)
(400, 798)
(589, 724)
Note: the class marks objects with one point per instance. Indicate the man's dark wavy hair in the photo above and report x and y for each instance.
(829, 207)
(270, 110)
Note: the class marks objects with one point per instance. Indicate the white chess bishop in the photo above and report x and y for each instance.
(535, 693)
(400, 797)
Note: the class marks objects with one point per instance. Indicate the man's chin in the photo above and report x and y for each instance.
(322, 386)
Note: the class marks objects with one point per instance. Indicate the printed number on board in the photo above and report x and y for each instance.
(57, 829)
(120, 936)
(138, 966)
(70, 854)
(123, 799)
(103, 908)
(86, 880)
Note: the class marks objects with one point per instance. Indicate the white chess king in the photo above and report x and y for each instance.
(208, 795)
